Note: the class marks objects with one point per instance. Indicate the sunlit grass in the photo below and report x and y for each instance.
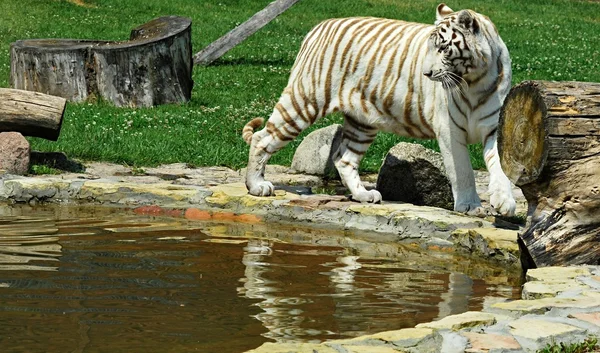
(548, 39)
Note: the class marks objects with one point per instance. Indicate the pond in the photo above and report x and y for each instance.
(77, 279)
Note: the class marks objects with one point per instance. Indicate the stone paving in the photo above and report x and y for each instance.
(559, 305)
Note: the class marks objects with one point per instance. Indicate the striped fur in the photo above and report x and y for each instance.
(445, 81)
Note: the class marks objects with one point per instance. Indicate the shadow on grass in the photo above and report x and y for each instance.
(56, 160)
(252, 62)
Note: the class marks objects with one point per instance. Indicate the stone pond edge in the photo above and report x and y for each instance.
(422, 226)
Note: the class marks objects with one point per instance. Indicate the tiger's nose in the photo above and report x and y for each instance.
(428, 73)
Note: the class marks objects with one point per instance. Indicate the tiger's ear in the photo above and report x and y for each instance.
(442, 11)
(467, 21)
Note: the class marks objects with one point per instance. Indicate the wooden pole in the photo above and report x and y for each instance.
(31, 113)
(549, 146)
(237, 35)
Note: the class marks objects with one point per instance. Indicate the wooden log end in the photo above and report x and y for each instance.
(521, 133)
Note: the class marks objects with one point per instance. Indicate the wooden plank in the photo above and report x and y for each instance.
(234, 37)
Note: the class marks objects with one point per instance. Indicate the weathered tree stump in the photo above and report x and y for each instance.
(154, 67)
(549, 145)
(31, 113)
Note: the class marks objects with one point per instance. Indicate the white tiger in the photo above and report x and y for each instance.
(445, 81)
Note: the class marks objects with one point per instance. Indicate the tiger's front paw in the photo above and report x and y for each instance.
(504, 203)
(472, 209)
(262, 188)
(370, 196)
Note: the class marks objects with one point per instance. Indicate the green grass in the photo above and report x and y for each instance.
(548, 39)
(589, 346)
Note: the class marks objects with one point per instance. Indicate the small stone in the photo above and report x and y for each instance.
(414, 174)
(542, 305)
(314, 154)
(460, 321)
(408, 337)
(592, 318)
(14, 153)
(487, 342)
(534, 335)
(556, 273)
(292, 348)
(540, 289)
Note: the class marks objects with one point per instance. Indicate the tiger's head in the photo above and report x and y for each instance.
(458, 48)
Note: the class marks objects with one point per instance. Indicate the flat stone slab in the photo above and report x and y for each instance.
(540, 306)
(461, 321)
(543, 289)
(487, 342)
(557, 274)
(534, 334)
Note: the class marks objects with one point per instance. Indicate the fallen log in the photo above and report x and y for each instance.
(549, 146)
(237, 35)
(31, 113)
(154, 67)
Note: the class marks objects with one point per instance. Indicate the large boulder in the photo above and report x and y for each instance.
(14, 153)
(412, 173)
(313, 156)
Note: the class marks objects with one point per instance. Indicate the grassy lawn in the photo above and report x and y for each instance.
(547, 39)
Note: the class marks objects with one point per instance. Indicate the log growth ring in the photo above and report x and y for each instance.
(522, 134)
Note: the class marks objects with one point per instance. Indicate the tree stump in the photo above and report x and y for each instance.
(31, 113)
(549, 146)
(154, 67)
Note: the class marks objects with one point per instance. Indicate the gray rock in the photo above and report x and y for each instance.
(313, 156)
(14, 153)
(412, 173)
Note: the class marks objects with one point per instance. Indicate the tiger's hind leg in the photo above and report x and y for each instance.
(356, 139)
(290, 117)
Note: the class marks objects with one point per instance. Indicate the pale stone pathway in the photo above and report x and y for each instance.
(559, 305)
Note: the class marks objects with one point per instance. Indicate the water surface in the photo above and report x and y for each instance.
(103, 280)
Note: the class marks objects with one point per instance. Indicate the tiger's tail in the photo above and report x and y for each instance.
(249, 128)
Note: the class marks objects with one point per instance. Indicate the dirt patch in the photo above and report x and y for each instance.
(80, 3)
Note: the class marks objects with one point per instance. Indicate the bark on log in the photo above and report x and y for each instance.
(237, 35)
(549, 146)
(154, 67)
(31, 113)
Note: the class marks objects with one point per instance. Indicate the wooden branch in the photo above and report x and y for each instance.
(234, 37)
(31, 113)
(549, 146)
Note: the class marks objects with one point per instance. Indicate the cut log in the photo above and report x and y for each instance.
(154, 67)
(549, 146)
(31, 113)
(237, 35)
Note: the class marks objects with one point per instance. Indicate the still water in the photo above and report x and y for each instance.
(105, 280)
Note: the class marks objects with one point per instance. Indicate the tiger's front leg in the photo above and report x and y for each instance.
(453, 146)
(500, 189)
(356, 139)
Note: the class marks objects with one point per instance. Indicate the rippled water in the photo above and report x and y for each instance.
(103, 280)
